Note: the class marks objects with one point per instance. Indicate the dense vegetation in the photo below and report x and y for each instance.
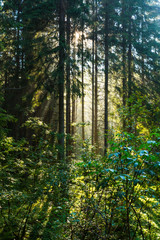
(79, 119)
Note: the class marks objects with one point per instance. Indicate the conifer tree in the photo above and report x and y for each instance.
(68, 80)
(61, 76)
(106, 72)
(96, 75)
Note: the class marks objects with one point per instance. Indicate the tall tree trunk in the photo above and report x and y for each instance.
(124, 58)
(61, 78)
(106, 77)
(68, 120)
(17, 52)
(129, 67)
(17, 84)
(96, 84)
(129, 61)
(73, 93)
(83, 133)
(73, 113)
(143, 82)
(63, 166)
(93, 89)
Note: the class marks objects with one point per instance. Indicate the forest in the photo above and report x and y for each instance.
(79, 119)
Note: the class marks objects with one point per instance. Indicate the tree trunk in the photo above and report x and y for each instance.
(68, 120)
(129, 69)
(124, 59)
(73, 94)
(129, 61)
(73, 113)
(106, 79)
(96, 84)
(93, 89)
(19, 114)
(83, 133)
(143, 82)
(61, 78)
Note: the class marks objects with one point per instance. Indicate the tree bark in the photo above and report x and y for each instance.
(143, 72)
(68, 91)
(73, 94)
(93, 88)
(129, 68)
(61, 78)
(106, 78)
(96, 83)
(83, 132)
(129, 60)
(124, 81)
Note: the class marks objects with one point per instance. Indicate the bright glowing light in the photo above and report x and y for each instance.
(77, 35)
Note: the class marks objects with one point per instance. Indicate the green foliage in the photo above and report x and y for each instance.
(111, 197)
(29, 185)
(87, 196)
(141, 113)
(117, 197)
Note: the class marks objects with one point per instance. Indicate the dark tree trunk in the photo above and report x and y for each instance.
(17, 83)
(124, 58)
(93, 88)
(73, 94)
(129, 68)
(17, 53)
(129, 61)
(106, 78)
(96, 83)
(61, 78)
(73, 113)
(68, 120)
(143, 82)
(83, 133)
